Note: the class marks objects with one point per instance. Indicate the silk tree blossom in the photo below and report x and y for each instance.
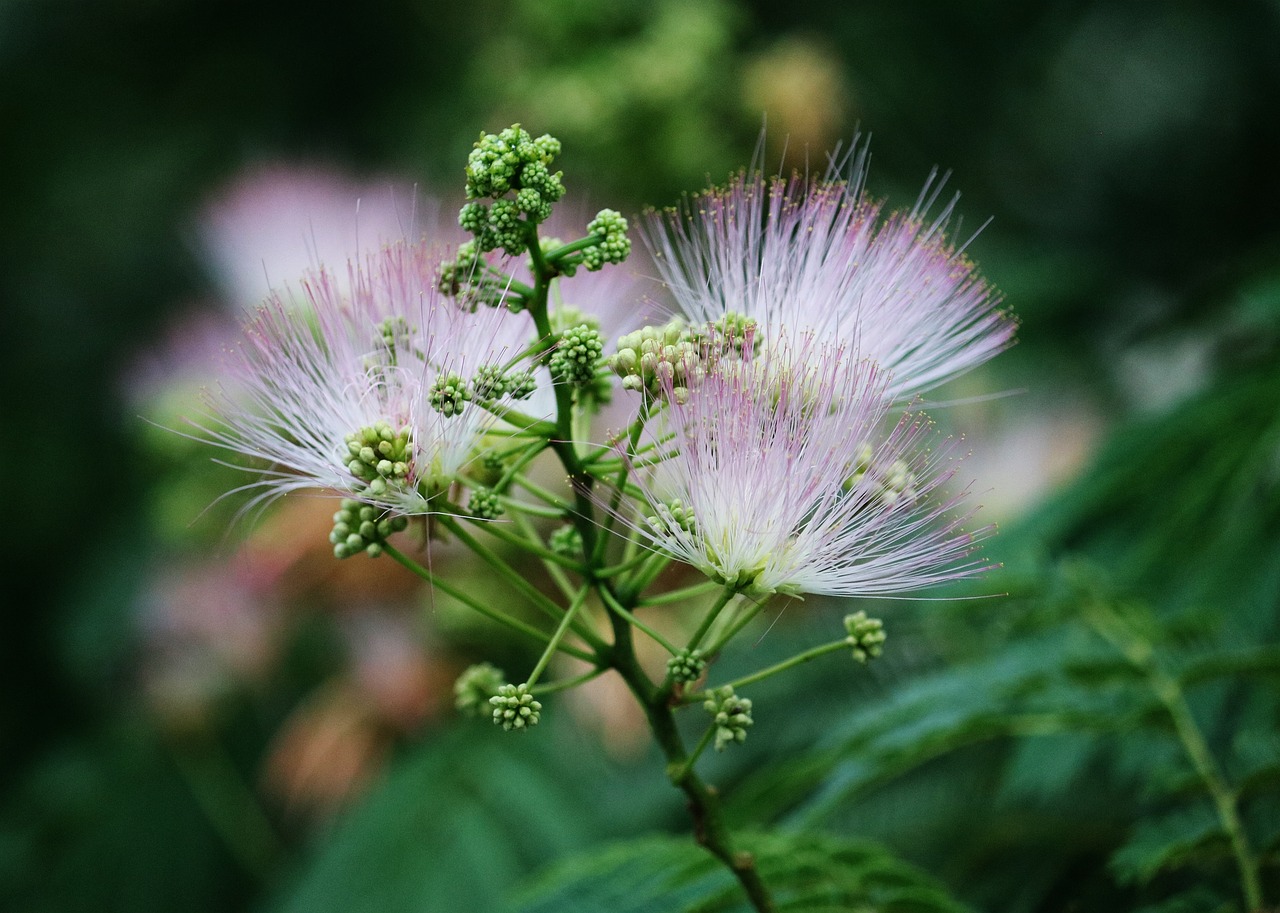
(781, 477)
(806, 255)
(365, 392)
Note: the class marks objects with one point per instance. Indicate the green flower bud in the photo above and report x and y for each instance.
(380, 453)
(686, 666)
(613, 245)
(566, 541)
(577, 355)
(485, 504)
(475, 687)
(521, 384)
(449, 394)
(514, 707)
(732, 716)
(866, 636)
(357, 528)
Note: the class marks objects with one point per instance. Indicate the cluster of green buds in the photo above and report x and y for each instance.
(358, 527)
(380, 455)
(576, 356)
(510, 162)
(732, 716)
(612, 244)
(659, 361)
(890, 485)
(733, 335)
(449, 394)
(492, 382)
(686, 666)
(514, 707)
(475, 687)
(566, 541)
(671, 359)
(393, 336)
(672, 516)
(485, 504)
(866, 636)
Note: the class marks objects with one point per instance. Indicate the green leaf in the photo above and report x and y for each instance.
(452, 828)
(1167, 841)
(805, 874)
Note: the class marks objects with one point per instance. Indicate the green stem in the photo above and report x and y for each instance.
(513, 577)
(616, 569)
(565, 684)
(637, 428)
(1141, 655)
(525, 424)
(556, 573)
(709, 828)
(547, 497)
(680, 595)
(721, 601)
(732, 629)
(558, 636)
(501, 618)
(493, 528)
(648, 572)
(808, 655)
(612, 602)
(517, 507)
(572, 248)
(686, 766)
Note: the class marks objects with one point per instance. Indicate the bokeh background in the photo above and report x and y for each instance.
(201, 721)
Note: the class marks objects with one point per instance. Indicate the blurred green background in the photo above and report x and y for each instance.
(303, 756)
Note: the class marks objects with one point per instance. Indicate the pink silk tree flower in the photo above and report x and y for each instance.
(363, 384)
(805, 255)
(781, 477)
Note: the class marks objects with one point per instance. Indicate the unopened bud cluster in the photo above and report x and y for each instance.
(732, 716)
(659, 361)
(866, 636)
(449, 394)
(686, 666)
(380, 454)
(672, 516)
(890, 484)
(613, 245)
(474, 688)
(577, 355)
(510, 162)
(566, 541)
(357, 527)
(671, 359)
(514, 707)
(485, 504)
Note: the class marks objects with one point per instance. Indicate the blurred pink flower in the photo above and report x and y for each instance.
(277, 221)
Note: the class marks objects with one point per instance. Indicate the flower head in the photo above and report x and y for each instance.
(814, 255)
(365, 392)
(780, 478)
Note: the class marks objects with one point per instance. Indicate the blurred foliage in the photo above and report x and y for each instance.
(814, 874)
(1023, 751)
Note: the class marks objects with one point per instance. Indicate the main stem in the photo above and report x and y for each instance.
(704, 805)
(709, 828)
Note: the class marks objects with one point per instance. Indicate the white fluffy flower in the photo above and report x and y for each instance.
(815, 256)
(780, 477)
(349, 385)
